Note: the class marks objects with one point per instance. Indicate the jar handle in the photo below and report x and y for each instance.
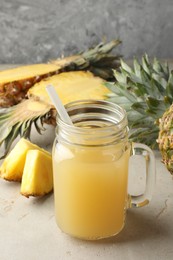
(147, 153)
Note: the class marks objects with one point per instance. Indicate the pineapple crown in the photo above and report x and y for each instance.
(145, 91)
(98, 60)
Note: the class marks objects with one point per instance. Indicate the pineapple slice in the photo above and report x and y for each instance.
(37, 177)
(13, 165)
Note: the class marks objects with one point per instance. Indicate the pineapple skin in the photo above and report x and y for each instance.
(13, 165)
(165, 138)
(37, 179)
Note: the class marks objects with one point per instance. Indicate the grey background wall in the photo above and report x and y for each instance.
(33, 31)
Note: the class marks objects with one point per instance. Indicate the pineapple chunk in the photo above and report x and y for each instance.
(13, 165)
(37, 177)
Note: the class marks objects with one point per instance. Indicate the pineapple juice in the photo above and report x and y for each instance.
(90, 189)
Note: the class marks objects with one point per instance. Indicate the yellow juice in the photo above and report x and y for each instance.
(90, 189)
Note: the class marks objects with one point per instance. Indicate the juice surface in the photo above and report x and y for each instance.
(90, 189)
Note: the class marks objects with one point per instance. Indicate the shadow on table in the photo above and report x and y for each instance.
(139, 226)
(41, 200)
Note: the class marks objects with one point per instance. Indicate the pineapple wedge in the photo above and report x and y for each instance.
(37, 177)
(13, 165)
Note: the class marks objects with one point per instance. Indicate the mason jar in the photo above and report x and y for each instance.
(90, 170)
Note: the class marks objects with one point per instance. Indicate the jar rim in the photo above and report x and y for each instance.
(111, 107)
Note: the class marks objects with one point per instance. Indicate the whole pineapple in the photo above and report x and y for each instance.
(165, 138)
(146, 92)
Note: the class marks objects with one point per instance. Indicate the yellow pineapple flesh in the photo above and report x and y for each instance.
(37, 179)
(13, 165)
(71, 86)
(26, 72)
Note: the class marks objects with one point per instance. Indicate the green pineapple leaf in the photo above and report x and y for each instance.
(145, 91)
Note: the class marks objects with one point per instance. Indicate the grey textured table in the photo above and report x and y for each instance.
(28, 229)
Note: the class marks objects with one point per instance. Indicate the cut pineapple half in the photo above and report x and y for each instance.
(38, 109)
(37, 177)
(15, 82)
(13, 165)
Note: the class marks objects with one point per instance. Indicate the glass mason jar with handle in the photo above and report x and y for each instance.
(90, 170)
